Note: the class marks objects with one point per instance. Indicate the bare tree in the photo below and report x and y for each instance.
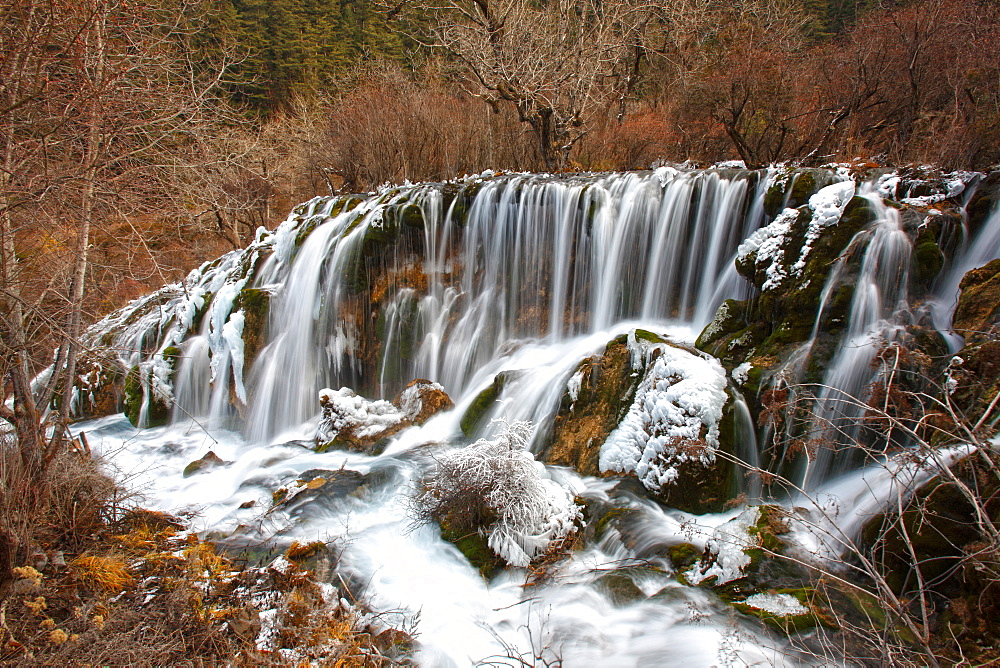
(98, 96)
(555, 62)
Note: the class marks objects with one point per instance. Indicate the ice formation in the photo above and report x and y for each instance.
(532, 510)
(827, 206)
(767, 244)
(729, 544)
(343, 408)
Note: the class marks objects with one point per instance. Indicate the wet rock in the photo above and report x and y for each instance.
(629, 411)
(422, 399)
(619, 587)
(476, 416)
(317, 486)
(205, 464)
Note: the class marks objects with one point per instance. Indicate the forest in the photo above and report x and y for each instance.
(142, 139)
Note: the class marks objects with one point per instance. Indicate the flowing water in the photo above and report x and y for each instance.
(527, 274)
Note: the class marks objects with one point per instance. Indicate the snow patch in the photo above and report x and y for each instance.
(766, 244)
(827, 206)
(343, 408)
(740, 373)
(781, 605)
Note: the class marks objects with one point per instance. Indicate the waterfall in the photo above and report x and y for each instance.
(513, 284)
(532, 258)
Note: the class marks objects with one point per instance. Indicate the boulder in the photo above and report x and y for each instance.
(977, 314)
(649, 409)
(206, 463)
(354, 423)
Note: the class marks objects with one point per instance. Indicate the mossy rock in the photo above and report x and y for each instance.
(928, 258)
(318, 488)
(607, 389)
(984, 201)
(620, 588)
(158, 413)
(207, 463)
(774, 198)
(476, 415)
(599, 518)
(255, 304)
(977, 314)
(683, 556)
(792, 623)
(475, 548)
(730, 317)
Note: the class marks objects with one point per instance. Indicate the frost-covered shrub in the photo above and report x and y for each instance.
(496, 488)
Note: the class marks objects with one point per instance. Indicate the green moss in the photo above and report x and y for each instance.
(683, 556)
(789, 624)
(133, 396)
(730, 317)
(803, 187)
(607, 518)
(475, 548)
(255, 304)
(475, 415)
(644, 335)
(171, 355)
(619, 588)
(774, 199)
(929, 258)
(412, 216)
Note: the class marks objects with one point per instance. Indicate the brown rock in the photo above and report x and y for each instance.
(606, 390)
(977, 315)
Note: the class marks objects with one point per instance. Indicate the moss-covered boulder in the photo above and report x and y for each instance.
(977, 314)
(477, 415)
(140, 392)
(651, 409)
(254, 302)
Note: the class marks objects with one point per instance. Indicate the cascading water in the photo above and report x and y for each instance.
(519, 277)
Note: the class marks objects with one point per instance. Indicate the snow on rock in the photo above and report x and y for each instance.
(781, 605)
(886, 185)
(673, 419)
(344, 410)
(827, 206)
(766, 244)
(728, 545)
(740, 373)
